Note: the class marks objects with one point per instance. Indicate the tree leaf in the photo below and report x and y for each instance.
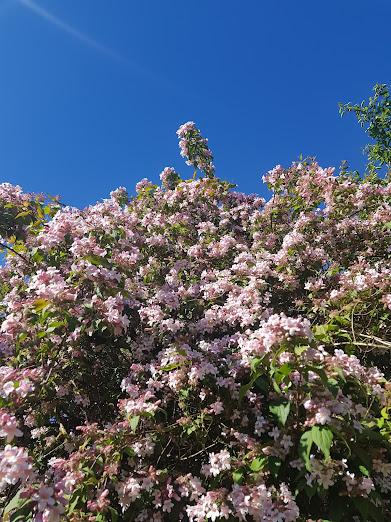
(321, 331)
(333, 386)
(99, 261)
(274, 466)
(340, 436)
(73, 502)
(134, 422)
(246, 387)
(362, 506)
(170, 367)
(40, 304)
(22, 514)
(280, 408)
(362, 454)
(114, 514)
(258, 464)
(320, 372)
(323, 437)
(364, 471)
(304, 448)
(15, 502)
(238, 475)
(262, 384)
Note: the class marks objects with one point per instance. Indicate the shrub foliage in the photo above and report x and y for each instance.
(193, 353)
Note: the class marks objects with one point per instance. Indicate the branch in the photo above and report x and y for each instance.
(201, 451)
(378, 339)
(382, 347)
(16, 253)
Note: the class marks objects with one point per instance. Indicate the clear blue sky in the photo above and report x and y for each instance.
(93, 91)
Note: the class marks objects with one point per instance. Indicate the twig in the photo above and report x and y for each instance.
(16, 253)
(378, 339)
(352, 322)
(164, 449)
(361, 344)
(201, 451)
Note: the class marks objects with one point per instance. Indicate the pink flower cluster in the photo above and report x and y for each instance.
(15, 466)
(196, 328)
(195, 148)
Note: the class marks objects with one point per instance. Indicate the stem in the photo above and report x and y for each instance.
(16, 253)
(201, 451)
(383, 347)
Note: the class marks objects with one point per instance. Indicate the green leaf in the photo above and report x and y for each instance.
(333, 386)
(254, 363)
(50, 330)
(311, 490)
(286, 369)
(282, 372)
(15, 502)
(362, 454)
(134, 422)
(246, 387)
(304, 448)
(300, 349)
(258, 464)
(371, 434)
(364, 471)
(238, 475)
(280, 408)
(274, 466)
(22, 515)
(72, 322)
(170, 367)
(320, 372)
(262, 384)
(40, 304)
(52, 198)
(22, 214)
(340, 373)
(56, 323)
(276, 387)
(37, 257)
(322, 436)
(114, 514)
(321, 331)
(99, 261)
(74, 501)
(362, 506)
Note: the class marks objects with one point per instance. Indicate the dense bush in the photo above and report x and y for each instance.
(195, 353)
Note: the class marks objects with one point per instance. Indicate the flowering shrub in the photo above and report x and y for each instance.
(197, 354)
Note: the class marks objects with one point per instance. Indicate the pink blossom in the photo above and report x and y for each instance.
(9, 428)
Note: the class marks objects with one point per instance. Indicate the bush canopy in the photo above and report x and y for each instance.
(194, 353)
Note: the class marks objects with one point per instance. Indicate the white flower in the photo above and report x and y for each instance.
(44, 497)
(323, 416)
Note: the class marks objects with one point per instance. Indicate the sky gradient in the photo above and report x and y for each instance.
(93, 91)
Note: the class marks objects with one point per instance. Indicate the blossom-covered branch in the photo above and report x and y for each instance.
(194, 353)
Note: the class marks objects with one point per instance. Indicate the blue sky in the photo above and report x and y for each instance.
(93, 91)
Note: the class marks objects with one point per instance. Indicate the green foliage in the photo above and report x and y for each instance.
(377, 118)
(197, 347)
